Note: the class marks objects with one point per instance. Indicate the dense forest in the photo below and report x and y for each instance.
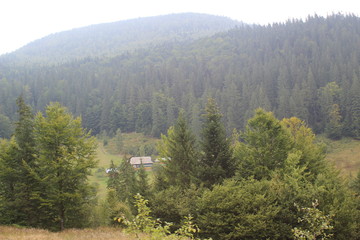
(308, 69)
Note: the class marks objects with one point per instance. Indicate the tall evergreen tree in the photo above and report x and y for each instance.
(143, 186)
(28, 184)
(178, 149)
(127, 182)
(66, 155)
(19, 161)
(217, 162)
(9, 213)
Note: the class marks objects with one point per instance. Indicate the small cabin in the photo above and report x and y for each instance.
(136, 162)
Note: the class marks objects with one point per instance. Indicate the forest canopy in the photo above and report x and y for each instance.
(308, 69)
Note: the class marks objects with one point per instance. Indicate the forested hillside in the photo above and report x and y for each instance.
(111, 39)
(308, 69)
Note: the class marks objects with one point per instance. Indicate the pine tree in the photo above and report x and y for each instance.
(217, 162)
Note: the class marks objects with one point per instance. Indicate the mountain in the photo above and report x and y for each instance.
(111, 39)
(308, 69)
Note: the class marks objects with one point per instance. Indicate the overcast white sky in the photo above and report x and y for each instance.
(22, 21)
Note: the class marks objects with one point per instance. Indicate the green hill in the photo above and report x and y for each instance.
(111, 39)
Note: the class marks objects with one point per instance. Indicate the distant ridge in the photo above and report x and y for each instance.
(113, 38)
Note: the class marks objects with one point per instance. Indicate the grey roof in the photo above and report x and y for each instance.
(140, 160)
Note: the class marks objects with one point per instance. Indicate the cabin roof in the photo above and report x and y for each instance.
(140, 160)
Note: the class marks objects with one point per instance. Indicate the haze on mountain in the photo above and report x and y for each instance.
(111, 39)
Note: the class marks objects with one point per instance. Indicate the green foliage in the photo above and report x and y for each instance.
(45, 170)
(154, 229)
(295, 173)
(9, 214)
(329, 100)
(265, 147)
(334, 127)
(119, 141)
(174, 202)
(66, 155)
(312, 154)
(114, 38)
(142, 89)
(178, 149)
(142, 183)
(217, 162)
(188, 229)
(123, 180)
(19, 182)
(5, 127)
(317, 224)
(239, 210)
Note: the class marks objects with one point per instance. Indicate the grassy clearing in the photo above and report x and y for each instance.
(132, 142)
(344, 154)
(13, 233)
(99, 177)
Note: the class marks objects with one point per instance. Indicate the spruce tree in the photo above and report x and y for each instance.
(9, 178)
(127, 182)
(217, 162)
(18, 164)
(143, 186)
(178, 149)
(113, 176)
(28, 184)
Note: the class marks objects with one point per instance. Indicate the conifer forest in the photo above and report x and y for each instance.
(235, 109)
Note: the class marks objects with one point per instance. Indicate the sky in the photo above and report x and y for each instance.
(23, 21)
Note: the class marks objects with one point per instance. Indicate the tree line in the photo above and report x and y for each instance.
(308, 69)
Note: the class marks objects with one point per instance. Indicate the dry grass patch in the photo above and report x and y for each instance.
(13, 233)
(345, 155)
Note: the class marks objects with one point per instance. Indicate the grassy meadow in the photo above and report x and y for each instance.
(132, 142)
(344, 154)
(14, 233)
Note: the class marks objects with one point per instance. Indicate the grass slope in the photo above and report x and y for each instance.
(132, 142)
(14, 233)
(344, 154)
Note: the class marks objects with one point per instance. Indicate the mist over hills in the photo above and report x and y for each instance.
(111, 39)
(309, 69)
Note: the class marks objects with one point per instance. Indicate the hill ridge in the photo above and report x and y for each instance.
(111, 39)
